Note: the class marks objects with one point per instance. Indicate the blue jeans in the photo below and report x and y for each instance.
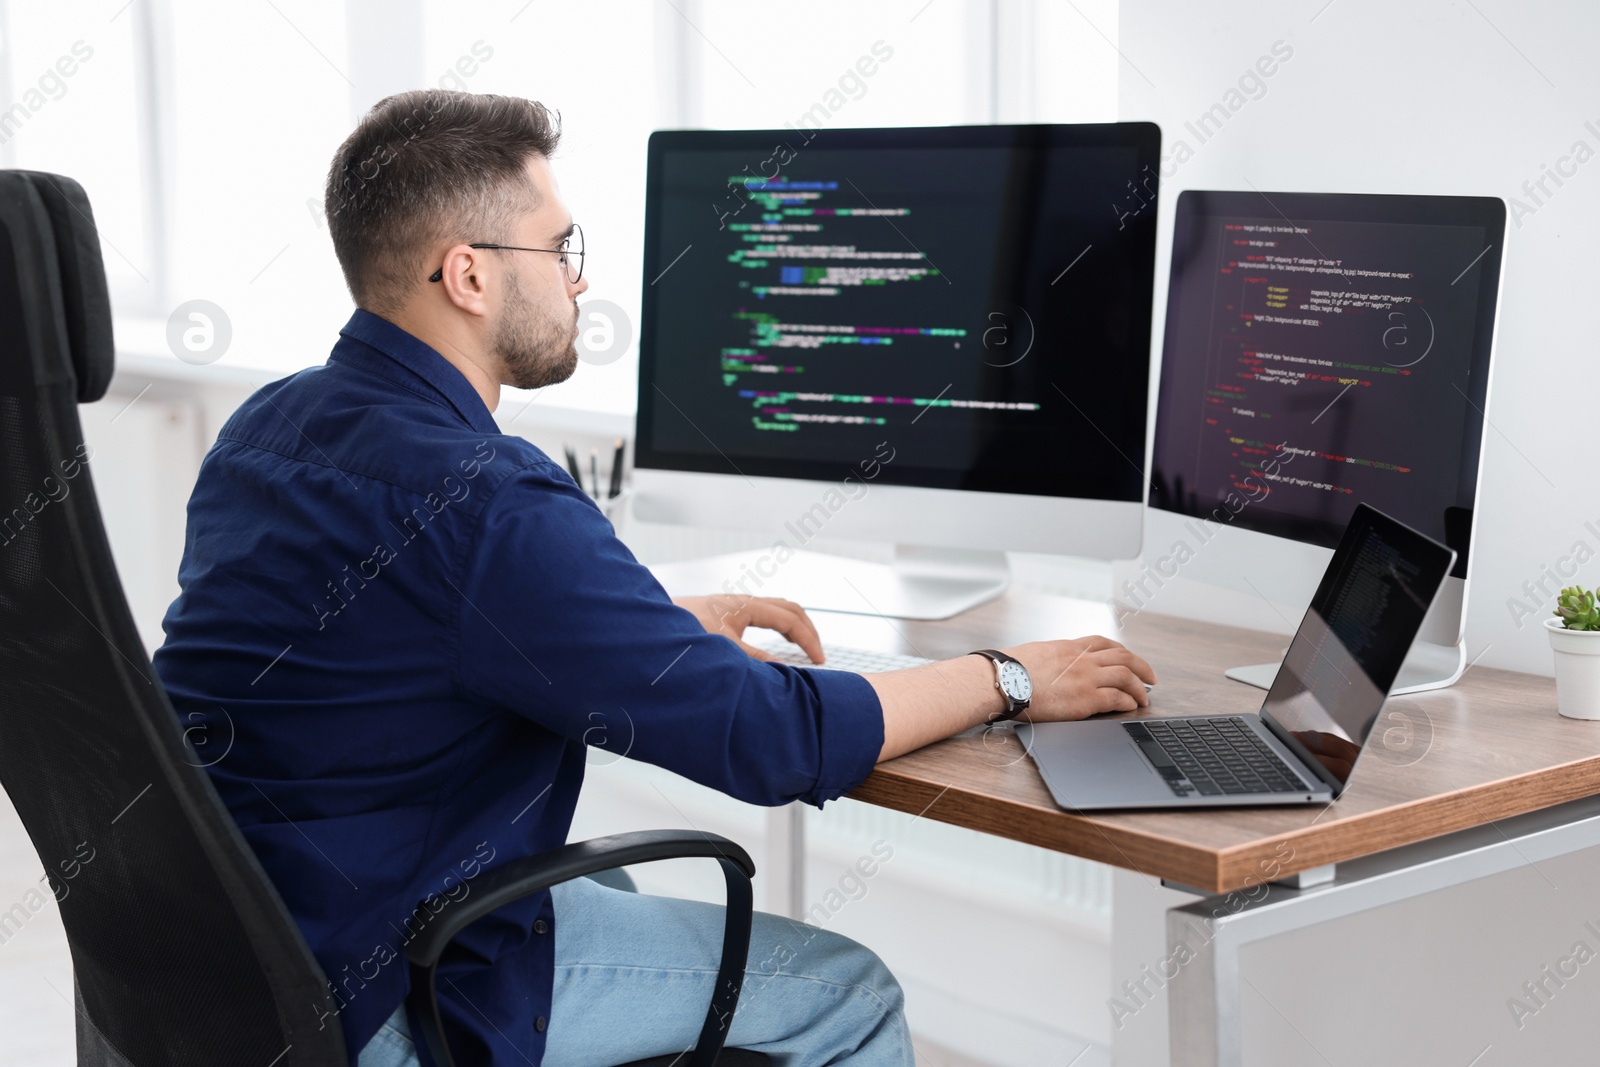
(634, 973)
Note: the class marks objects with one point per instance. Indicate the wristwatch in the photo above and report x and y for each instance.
(1013, 681)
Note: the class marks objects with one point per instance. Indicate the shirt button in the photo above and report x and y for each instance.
(540, 926)
(539, 1024)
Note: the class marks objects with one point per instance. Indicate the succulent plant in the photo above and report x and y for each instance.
(1577, 609)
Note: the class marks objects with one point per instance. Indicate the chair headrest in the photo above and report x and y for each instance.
(54, 263)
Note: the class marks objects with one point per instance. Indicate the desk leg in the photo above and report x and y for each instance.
(1205, 938)
(785, 874)
(1137, 1005)
(1203, 1016)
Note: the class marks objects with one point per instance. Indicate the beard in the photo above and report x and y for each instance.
(536, 348)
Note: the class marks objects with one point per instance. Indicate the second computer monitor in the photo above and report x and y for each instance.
(1324, 351)
(934, 337)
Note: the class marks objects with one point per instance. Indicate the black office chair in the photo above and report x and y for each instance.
(183, 953)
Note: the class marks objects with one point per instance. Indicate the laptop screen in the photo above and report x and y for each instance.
(1348, 651)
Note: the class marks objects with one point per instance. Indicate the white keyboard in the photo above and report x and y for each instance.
(839, 657)
(842, 658)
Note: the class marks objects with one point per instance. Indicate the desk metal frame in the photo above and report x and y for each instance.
(1204, 1018)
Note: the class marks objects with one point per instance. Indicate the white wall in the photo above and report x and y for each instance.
(1422, 96)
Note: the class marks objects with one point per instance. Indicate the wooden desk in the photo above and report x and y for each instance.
(1458, 791)
(1486, 773)
(1490, 747)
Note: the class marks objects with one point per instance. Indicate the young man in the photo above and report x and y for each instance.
(413, 624)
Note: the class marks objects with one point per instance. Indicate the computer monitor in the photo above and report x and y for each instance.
(934, 337)
(1324, 351)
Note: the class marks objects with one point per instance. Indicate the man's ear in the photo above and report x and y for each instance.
(462, 280)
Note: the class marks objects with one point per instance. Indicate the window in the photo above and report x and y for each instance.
(72, 107)
(203, 132)
(259, 101)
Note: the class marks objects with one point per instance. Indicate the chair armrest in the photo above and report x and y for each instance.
(496, 888)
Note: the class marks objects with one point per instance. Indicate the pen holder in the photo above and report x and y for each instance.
(617, 509)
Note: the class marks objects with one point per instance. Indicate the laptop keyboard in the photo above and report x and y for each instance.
(1212, 757)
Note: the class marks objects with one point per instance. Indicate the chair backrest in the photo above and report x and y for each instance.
(182, 951)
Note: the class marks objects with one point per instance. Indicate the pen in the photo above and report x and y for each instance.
(572, 466)
(594, 472)
(616, 471)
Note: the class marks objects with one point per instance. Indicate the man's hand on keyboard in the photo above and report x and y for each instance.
(729, 614)
(1083, 677)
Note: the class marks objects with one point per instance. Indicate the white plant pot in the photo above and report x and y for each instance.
(1577, 670)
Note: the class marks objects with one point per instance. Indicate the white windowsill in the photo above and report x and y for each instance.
(143, 357)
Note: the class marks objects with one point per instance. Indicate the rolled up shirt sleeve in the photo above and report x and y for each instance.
(561, 624)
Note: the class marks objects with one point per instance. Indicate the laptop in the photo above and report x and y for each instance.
(1323, 704)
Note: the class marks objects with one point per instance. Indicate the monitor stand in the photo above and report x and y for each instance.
(1427, 666)
(1438, 656)
(921, 583)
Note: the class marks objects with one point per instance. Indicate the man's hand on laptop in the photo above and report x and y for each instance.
(1079, 678)
(729, 613)
(1071, 680)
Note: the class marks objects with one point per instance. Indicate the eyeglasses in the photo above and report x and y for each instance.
(571, 248)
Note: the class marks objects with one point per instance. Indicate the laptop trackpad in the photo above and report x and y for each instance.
(1092, 763)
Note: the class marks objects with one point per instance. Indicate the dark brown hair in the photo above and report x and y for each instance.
(424, 167)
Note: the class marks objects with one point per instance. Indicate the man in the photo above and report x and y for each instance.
(412, 624)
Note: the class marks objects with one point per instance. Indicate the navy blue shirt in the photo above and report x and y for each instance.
(398, 629)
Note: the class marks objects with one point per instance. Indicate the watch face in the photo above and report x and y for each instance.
(1015, 683)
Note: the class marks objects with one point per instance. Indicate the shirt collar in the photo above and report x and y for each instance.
(378, 345)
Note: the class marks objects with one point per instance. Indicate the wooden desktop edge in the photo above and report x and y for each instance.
(1240, 866)
(947, 782)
